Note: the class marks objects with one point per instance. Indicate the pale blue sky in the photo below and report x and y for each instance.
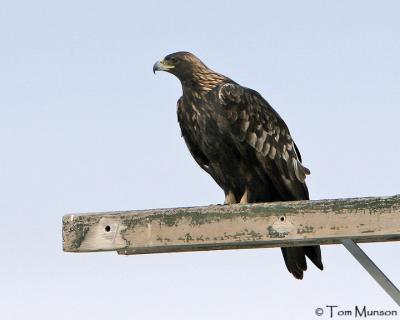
(85, 126)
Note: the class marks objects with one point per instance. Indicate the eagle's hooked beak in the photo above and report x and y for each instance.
(161, 66)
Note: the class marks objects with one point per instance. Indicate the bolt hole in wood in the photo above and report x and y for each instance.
(282, 219)
(107, 228)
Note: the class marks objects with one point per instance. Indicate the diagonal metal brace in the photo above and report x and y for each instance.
(372, 269)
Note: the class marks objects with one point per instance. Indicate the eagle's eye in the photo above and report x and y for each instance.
(173, 60)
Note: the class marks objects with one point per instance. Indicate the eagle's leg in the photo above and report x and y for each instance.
(230, 198)
(245, 197)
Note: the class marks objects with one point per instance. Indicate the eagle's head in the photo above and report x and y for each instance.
(190, 70)
(182, 64)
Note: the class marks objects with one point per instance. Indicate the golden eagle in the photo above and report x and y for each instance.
(240, 140)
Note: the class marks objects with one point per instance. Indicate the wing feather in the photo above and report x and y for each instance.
(259, 126)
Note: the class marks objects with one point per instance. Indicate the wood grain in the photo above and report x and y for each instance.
(219, 227)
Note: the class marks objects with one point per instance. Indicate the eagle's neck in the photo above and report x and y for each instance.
(201, 82)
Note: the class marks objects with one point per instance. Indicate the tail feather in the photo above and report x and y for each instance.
(295, 259)
(314, 254)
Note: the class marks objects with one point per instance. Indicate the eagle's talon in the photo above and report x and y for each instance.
(230, 198)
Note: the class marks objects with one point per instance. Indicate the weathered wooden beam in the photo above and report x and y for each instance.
(278, 224)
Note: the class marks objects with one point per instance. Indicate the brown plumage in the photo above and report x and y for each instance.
(240, 140)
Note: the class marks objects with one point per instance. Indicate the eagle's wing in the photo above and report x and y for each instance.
(253, 123)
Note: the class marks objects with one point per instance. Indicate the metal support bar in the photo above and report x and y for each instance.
(372, 269)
